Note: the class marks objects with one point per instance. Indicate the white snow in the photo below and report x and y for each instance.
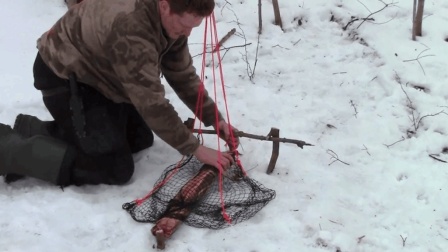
(369, 96)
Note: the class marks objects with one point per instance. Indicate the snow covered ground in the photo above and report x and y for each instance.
(372, 101)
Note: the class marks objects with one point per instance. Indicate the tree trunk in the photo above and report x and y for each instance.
(260, 21)
(418, 19)
(278, 18)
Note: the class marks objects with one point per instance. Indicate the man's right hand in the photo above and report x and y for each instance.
(220, 160)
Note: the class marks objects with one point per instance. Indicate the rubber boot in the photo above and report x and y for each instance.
(41, 157)
(28, 126)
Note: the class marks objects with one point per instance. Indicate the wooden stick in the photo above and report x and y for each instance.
(190, 124)
(238, 133)
(160, 238)
(224, 39)
(275, 150)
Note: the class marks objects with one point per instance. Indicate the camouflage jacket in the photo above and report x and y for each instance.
(119, 48)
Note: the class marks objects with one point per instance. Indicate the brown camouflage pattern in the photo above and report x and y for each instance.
(119, 48)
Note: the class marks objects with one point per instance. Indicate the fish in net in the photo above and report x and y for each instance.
(190, 193)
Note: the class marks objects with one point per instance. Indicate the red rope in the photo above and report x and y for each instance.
(198, 111)
(232, 136)
(215, 46)
(213, 39)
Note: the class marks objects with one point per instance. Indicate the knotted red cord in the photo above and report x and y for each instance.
(214, 45)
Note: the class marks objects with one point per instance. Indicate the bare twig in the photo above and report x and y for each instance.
(360, 239)
(227, 3)
(365, 148)
(226, 49)
(421, 118)
(403, 240)
(369, 17)
(250, 71)
(410, 104)
(335, 157)
(251, 77)
(277, 45)
(389, 145)
(336, 222)
(354, 19)
(415, 117)
(436, 158)
(373, 13)
(354, 107)
(364, 6)
(420, 57)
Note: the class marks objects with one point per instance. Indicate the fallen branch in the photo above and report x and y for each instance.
(238, 133)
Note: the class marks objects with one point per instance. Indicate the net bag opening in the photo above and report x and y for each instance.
(191, 195)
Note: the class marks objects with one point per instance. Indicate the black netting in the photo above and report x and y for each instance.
(192, 196)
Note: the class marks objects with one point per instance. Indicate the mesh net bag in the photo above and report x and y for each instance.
(190, 192)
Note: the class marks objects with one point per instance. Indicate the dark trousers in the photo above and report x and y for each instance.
(111, 132)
